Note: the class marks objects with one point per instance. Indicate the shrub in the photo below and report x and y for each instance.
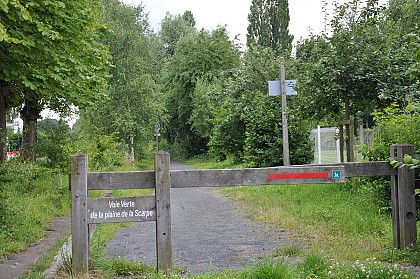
(53, 139)
(104, 152)
(393, 125)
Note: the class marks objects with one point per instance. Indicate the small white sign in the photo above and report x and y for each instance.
(274, 87)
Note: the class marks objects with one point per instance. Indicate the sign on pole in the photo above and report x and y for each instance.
(282, 88)
(274, 87)
(286, 158)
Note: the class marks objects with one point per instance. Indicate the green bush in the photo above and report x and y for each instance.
(53, 138)
(393, 125)
(263, 145)
(247, 124)
(104, 152)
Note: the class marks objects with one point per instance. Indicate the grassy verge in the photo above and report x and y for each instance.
(30, 198)
(45, 261)
(341, 224)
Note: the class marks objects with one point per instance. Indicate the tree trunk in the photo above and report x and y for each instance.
(30, 114)
(4, 95)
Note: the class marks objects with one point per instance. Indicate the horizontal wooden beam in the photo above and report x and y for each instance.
(121, 180)
(380, 168)
(260, 176)
(304, 174)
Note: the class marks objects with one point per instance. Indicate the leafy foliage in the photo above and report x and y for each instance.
(51, 55)
(334, 80)
(393, 125)
(134, 104)
(248, 124)
(53, 140)
(200, 57)
(414, 71)
(268, 26)
(105, 151)
(173, 28)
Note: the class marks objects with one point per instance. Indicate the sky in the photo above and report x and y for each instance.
(305, 15)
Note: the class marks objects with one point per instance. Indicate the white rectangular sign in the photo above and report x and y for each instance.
(274, 87)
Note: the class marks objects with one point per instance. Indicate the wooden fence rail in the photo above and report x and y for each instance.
(157, 208)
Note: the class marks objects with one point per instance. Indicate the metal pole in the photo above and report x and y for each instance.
(286, 158)
(157, 129)
(337, 144)
(319, 145)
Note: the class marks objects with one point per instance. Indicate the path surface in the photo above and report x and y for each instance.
(20, 263)
(208, 233)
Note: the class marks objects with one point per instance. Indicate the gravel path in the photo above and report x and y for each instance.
(208, 233)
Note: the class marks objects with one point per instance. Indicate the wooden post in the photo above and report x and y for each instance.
(163, 211)
(286, 158)
(351, 139)
(403, 200)
(79, 225)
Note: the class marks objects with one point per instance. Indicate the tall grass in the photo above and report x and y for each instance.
(30, 198)
(345, 224)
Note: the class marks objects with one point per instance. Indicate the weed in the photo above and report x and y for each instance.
(313, 266)
(269, 268)
(289, 251)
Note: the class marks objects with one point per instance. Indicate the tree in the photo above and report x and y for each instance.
(200, 57)
(51, 56)
(268, 26)
(134, 104)
(359, 68)
(173, 28)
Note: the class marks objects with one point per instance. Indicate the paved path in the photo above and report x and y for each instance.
(20, 263)
(208, 233)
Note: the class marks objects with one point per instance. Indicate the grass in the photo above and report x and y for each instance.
(343, 224)
(30, 198)
(45, 261)
(203, 162)
(106, 267)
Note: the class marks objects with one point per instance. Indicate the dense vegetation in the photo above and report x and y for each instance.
(31, 196)
(208, 93)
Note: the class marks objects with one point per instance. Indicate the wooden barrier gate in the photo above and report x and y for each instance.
(157, 208)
